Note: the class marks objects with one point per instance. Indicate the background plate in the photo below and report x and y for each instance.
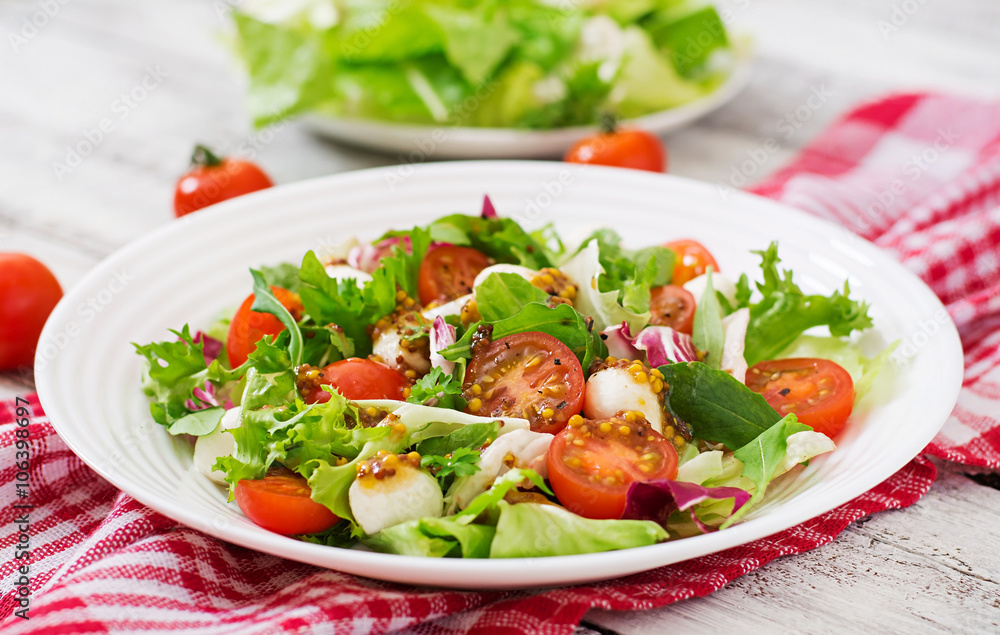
(457, 142)
(88, 376)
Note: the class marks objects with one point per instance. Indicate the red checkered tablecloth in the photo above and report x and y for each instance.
(917, 174)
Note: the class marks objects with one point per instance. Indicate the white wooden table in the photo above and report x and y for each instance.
(934, 567)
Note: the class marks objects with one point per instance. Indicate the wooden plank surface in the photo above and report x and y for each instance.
(932, 568)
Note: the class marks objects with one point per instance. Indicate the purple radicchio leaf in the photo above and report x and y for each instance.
(657, 500)
(442, 335)
(488, 210)
(618, 339)
(664, 345)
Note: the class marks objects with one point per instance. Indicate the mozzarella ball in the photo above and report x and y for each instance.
(389, 346)
(612, 390)
(722, 284)
(216, 444)
(345, 272)
(394, 493)
(517, 449)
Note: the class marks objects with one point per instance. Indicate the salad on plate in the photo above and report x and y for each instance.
(471, 389)
(530, 64)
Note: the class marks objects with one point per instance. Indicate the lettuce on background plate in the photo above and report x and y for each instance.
(498, 63)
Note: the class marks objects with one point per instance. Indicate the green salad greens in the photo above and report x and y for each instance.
(493, 63)
(471, 389)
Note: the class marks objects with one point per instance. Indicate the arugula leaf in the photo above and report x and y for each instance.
(708, 335)
(438, 389)
(284, 275)
(717, 406)
(785, 312)
(461, 462)
(762, 456)
(265, 302)
(503, 295)
(499, 238)
(562, 322)
(198, 423)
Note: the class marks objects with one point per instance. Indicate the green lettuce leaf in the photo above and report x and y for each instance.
(586, 270)
(761, 458)
(265, 302)
(532, 530)
(784, 312)
(503, 295)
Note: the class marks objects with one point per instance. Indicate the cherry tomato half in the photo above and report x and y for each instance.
(280, 502)
(529, 375)
(248, 327)
(448, 272)
(693, 260)
(357, 378)
(818, 391)
(28, 293)
(591, 465)
(672, 306)
(212, 179)
(628, 148)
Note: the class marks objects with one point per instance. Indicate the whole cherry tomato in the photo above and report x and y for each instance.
(212, 179)
(28, 293)
(623, 148)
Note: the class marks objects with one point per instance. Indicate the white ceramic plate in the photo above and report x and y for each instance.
(419, 143)
(186, 271)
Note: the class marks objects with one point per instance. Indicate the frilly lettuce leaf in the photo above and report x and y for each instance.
(585, 269)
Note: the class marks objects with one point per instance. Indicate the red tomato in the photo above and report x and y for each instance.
(356, 378)
(211, 180)
(28, 293)
(693, 260)
(592, 478)
(448, 272)
(672, 306)
(529, 375)
(280, 502)
(248, 327)
(818, 391)
(630, 148)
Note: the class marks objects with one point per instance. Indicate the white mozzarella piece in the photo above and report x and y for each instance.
(613, 389)
(216, 444)
(722, 284)
(408, 494)
(345, 272)
(528, 450)
(386, 346)
(524, 272)
(803, 446)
